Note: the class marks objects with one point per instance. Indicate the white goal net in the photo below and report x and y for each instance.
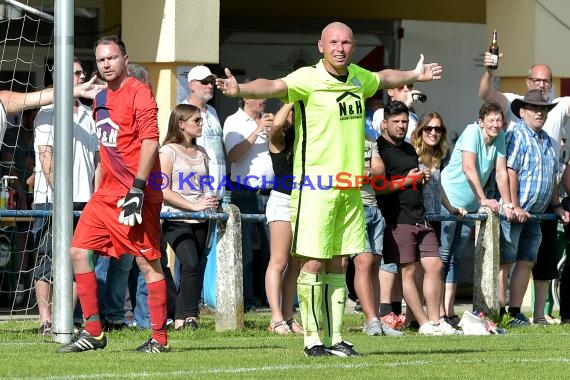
(26, 58)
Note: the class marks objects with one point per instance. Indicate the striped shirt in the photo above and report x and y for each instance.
(532, 156)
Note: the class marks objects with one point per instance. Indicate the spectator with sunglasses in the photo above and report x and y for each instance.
(86, 176)
(201, 85)
(180, 155)
(409, 239)
(430, 141)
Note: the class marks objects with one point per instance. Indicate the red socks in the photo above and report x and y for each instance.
(157, 310)
(87, 292)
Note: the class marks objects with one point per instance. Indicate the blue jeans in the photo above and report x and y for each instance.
(112, 280)
(251, 202)
(519, 241)
(454, 239)
(140, 294)
(141, 312)
(139, 298)
(374, 242)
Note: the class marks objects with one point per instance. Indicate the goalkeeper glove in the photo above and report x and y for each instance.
(132, 204)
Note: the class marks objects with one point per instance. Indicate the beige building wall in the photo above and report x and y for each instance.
(471, 11)
(165, 34)
(530, 32)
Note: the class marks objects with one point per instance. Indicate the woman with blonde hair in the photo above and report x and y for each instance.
(430, 142)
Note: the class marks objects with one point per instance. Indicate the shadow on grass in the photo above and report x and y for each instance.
(229, 348)
(426, 352)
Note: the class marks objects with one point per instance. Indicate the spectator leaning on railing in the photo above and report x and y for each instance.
(478, 152)
(409, 240)
(532, 168)
(539, 78)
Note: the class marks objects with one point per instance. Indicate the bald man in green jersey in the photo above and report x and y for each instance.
(329, 139)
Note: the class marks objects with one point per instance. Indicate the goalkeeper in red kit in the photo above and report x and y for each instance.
(123, 216)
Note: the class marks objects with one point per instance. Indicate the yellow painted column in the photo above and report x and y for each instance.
(165, 34)
(163, 78)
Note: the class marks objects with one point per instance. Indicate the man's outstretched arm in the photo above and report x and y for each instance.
(15, 102)
(257, 89)
(423, 72)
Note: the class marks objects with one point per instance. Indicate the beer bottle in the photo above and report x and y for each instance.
(494, 50)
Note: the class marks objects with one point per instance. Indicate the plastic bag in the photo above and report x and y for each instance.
(209, 285)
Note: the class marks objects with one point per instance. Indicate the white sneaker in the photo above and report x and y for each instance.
(447, 329)
(430, 328)
(388, 331)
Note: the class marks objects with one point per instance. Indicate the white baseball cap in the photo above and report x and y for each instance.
(199, 73)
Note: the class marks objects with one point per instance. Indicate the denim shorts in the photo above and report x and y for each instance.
(519, 242)
(388, 267)
(375, 224)
(277, 208)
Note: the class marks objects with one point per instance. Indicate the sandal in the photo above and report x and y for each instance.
(280, 328)
(453, 320)
(294, 326)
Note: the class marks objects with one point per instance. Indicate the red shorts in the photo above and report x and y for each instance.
(99, 229)
(408, 243)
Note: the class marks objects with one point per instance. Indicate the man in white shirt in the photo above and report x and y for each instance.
(201, 85)
(85, 177)
(13, 102)
(245, 139)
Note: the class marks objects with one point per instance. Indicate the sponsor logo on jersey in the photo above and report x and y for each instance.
(350, 106)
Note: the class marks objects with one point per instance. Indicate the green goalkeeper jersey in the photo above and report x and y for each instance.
(329, 121)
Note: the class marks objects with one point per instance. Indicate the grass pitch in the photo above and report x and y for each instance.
(254, 353)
